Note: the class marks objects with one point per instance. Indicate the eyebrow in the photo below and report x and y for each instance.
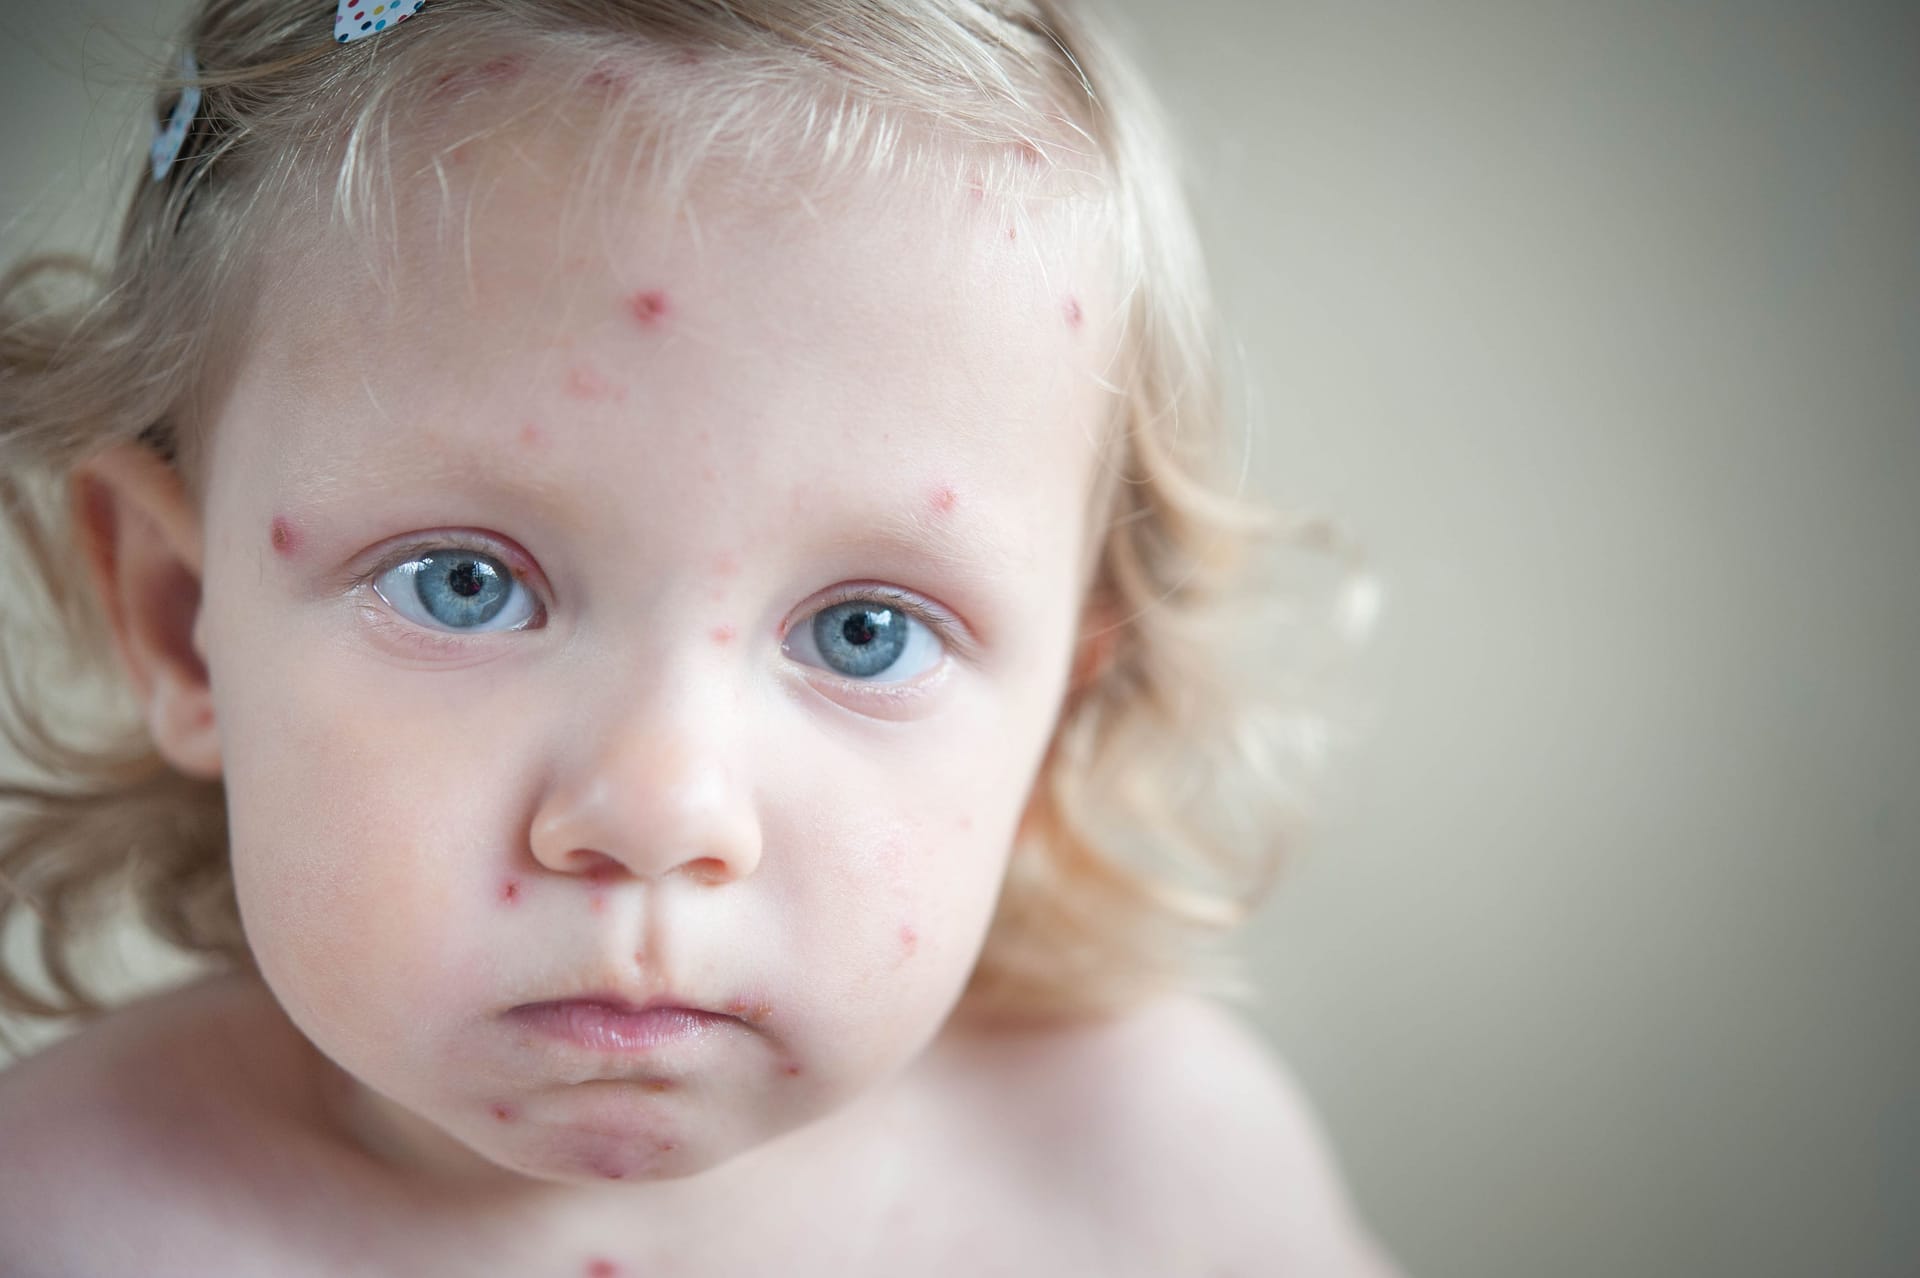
(960, 545)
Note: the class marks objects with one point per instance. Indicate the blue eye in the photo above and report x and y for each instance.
(864, 636)
(456, 589)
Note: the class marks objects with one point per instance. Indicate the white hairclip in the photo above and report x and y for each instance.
(168, 137)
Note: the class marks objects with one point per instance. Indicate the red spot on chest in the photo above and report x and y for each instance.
(648, 307)
(285, 540)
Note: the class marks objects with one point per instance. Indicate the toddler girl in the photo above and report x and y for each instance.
(669, 558)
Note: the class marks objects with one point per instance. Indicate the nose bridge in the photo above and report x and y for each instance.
(656, 783)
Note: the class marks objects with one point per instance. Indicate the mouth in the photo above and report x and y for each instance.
(607, 1023)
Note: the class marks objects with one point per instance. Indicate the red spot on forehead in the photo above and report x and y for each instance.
(510, 891)
(942, 498)
(648, 307)
(1072, 309)
(285, 540)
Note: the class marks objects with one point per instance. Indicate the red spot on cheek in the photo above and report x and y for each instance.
(1073, 312)
(504, 1113)
(285, 540)
(648, 307)
(510, 891)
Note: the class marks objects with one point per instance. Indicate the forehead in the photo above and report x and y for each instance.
(526, 294)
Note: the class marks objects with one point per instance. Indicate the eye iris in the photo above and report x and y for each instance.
(468, 590)
(859, 639)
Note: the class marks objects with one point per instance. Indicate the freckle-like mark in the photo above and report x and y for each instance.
(1013, 233)
(1073, 312)
(722, 635)
(648, 307)
(283, 536)
(504, 1113)
(943, 498)
(510, 891)
(655, 1086)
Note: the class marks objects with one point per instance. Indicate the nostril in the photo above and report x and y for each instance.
(597, 866)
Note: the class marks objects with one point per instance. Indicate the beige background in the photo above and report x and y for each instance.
(1600, 325)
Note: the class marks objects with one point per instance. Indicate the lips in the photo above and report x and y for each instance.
(609, 1023)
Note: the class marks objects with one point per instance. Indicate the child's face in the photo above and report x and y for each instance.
(577, 730)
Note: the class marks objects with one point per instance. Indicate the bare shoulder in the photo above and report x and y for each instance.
(118, 1136)
(1189, 1133)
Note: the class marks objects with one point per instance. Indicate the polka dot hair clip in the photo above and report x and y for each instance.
(358, 18)
(171, 132)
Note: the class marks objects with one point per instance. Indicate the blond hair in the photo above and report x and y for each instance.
(1183, 767)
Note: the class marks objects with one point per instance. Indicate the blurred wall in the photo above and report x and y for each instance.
(1599, 324)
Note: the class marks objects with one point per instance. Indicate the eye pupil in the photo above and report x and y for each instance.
(465, 581)
(858, 629)
(860, 639)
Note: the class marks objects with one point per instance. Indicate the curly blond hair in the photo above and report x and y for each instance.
(1186, 761)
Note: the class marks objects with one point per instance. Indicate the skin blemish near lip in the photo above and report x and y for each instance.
(285, 540)
(648, 307)
(510, 892)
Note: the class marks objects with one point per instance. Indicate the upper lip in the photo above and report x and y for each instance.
(620, 1003)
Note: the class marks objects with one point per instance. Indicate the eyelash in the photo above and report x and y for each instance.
(944, 627)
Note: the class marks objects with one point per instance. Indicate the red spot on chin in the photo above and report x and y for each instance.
(283, 536)
(648, 307)
(504, 1113)
(1073, 312)
(723, 635)
(510, 891)
(943, 498)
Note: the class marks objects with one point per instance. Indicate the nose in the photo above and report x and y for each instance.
(655, 800)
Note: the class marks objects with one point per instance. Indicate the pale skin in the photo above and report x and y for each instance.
(674, 449)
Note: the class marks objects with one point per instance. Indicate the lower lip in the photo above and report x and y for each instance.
(609, 1029)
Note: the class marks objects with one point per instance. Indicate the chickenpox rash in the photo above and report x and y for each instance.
(909, 939)
(531, 436)
(965, 822)
(791, 1069)
(722, 635)
(600, 1266)
(585, 382)
(510, 892)
(504, 1113)
(648, 307)
(725, 566)
(285, 540)
(753, 1012)
(1073, 314)
(942, 499)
